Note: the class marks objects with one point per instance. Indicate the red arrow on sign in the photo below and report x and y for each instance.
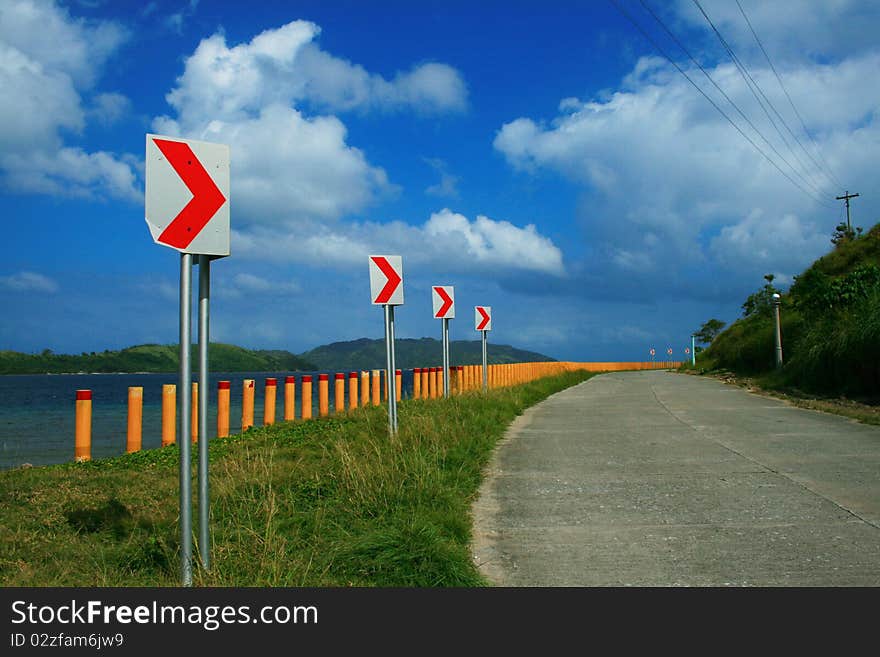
(486, 318)
(391, 275)
(206, 200)
(447, 301)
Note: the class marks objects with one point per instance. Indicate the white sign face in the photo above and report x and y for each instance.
(187, 195)
(483, 318)
(386, 280)
(443, 298)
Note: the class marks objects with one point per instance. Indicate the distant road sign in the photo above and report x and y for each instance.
(652, 352)
(669, 351)
(386, 280)
(443, 298)
(687, 350)
(187, 195)
(483, 318)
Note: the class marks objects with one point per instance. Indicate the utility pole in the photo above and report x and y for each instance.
(846, 197)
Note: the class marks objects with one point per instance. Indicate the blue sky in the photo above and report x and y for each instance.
(542, 157)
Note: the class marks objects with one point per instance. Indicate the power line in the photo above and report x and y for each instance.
(638, 26)
(752, 85)
(827, 169)
(729, 100)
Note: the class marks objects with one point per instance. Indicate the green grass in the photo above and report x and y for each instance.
(329, 502)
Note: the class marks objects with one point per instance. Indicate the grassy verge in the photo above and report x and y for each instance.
(329, 502)
(863, 409)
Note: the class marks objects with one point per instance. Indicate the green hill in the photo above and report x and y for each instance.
(830, 320)
(151, 358)
(367, 354)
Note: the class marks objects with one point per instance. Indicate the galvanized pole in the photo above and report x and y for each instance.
(185, 396)
(777, 301)
(389, 373)
(204, 503)
(693, 350)
(445, 357)
(485, 364)
(392, 389)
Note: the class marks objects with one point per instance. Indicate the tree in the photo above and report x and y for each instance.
(709, 330)
(761, 302)
(843, 233)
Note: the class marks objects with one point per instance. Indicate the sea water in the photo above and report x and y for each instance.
(38, 411)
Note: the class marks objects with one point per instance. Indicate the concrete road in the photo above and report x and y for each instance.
(663, 479)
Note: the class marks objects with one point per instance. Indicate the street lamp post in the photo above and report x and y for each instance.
(777, 301)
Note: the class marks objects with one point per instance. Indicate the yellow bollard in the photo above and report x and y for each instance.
(247, 404)
(135, 419)
(82, 442)
(289, 398)
(398, 384)
(306, 401)
(365, 388)
(352, 390)
(385, 375)
(417, 383)
(194, 416)
(432, 382)
(223, 392)
(323, 395)
(270, 393)
(169, 414)
(426, 382)
(459, 379)
(339, 393)
(375, 387)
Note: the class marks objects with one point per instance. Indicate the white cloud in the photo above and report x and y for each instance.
(447, 239)
(47, 60)
(447, 187)
(290, 166)
(175, 21)
(776, 244)
(791, 32)
(71, 172)
(109, 108)
(669, 183)
(28, 281)
(247, 283)
(284, 65)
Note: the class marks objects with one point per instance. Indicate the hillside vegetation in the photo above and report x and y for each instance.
(150, 358)
(366, 354)
(830, 320)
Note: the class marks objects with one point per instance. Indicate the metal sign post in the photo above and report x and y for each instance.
(485, 364)
(693, 350)
(204, 500)
(187, 209)
(386, 289)
(443, 298)
(185, 397)
(483, 323)
(445, 357)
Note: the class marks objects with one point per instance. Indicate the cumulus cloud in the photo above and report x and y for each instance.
(47, 61)
(446, 238)
(292, 165)
(28, 281)
(285, 65)
(821, 29)
(669, 184)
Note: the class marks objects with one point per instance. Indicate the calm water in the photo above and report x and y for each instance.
(37, 411)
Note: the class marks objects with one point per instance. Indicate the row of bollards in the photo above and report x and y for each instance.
(363, 389)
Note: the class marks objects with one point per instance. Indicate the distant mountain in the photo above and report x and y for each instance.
(367, 354)
(152, 358)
